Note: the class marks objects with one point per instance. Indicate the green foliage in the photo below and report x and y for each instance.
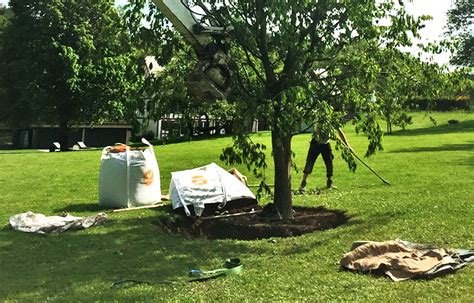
(312, 62)
(460, 27)
(67, 62)
(293, 84)
(252, 155)
(151, 32)
(165, 92)
(5, 16)
(454, 92)
(462, 103)
(403, 78)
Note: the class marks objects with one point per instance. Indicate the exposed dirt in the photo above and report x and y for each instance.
(263, 223)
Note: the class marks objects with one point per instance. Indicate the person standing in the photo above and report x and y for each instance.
(320, 145)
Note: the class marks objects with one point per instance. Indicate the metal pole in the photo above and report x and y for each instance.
(353, 153)
(384, 181)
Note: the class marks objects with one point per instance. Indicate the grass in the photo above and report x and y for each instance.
(430, 201)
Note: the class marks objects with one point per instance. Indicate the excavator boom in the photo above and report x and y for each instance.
(183, 20)
(210, 79)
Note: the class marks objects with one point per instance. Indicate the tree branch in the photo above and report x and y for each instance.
(261, 29)
(254, 68)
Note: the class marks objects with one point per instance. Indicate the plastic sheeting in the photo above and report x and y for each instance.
(38, 223)
(205, 185)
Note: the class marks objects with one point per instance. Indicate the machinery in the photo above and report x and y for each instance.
(210, 79)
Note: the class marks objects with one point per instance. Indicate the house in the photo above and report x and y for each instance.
(171, 126)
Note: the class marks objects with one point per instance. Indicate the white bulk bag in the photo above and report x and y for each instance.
(129, 179)
(205, 185)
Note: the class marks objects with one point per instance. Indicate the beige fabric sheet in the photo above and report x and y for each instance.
(397, 260)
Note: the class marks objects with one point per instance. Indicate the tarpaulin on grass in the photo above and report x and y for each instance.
(208, 184)
(401, 260)
(38, 223)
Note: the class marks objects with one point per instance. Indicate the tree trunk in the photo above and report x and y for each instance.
(228, 127)
(190, 128)
(64, 135)
(281, 145)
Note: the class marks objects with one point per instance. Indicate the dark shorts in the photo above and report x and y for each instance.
(315, 149)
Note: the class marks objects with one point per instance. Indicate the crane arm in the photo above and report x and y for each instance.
(183, 20)
(210, 78)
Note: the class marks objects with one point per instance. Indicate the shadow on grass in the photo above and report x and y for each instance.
(84, 207)
(355, 225)
(133, 249)
(461, 127)
(465, 162)
(359, 225)
(46, 152)
(25, 152)
(445, 147)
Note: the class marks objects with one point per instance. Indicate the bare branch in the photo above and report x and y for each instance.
(254, 68)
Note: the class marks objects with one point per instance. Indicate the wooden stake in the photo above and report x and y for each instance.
(138, 207)
(232, 215)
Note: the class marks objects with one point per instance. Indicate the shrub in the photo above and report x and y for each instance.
(460, 103)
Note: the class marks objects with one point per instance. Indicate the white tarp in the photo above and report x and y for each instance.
(130, 178)
(38, 223)
(204, 185)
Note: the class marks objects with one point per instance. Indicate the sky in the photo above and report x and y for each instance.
(432, 32)
(434, 28)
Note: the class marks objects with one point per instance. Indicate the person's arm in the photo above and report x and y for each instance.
(343, 138)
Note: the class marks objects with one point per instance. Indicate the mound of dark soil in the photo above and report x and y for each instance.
(258, 225)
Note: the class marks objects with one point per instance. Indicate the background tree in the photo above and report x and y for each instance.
(5, 17)
(402, 79)
(66, 63)
(460, 27)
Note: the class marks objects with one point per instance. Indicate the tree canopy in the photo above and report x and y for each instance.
(306, 61)
(5, 17)
(404, 78)
(65, 63)
(460, 26)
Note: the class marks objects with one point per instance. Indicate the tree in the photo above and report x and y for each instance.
(5, 17)
(460, 28)
(299, 61)
(403, 78)
(65, 63)
(307, 66)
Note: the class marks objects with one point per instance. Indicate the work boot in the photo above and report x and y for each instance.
(303, 186)
(329, 183)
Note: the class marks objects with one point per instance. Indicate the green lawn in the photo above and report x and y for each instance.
(431, 169)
